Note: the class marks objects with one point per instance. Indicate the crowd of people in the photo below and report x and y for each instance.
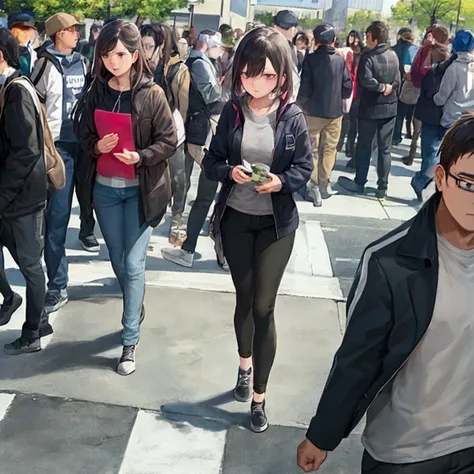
(263, 113)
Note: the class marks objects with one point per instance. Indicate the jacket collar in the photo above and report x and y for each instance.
(421, 241)
(325, 49)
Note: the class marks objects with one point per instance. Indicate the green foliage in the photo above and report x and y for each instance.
(307, 23)
(265, 17)
(361, 20)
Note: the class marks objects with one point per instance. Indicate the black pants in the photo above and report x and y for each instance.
(404, 111)
(461, 462)
(257, 261)
(205, 196)
(353, 129)
(20, 235)
(368, 129)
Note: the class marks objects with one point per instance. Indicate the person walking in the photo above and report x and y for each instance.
(378, 85)
(175, 82)
(205, 106)
(325, 82)
(131, 189)
(254, 224)
(60, 76)
(23, 192)
(406, 357)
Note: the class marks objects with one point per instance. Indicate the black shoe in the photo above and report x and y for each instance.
(142, 315)
(350, 165)
(54, 301)
(418, 191)
(242, 390)
(21, 346)
(258, 417)
(89, 243)
(381, 194)
(45, 328)
(314, 195)
(350, 185)
(7, 310)
(407, 160)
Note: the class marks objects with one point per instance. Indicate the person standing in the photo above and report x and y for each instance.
(253, 224)
(59, 76)
(205, 106)
(406, 357)
(378, 85)
(23, 29)
(127, 207)
(23, 192)
(325, 82)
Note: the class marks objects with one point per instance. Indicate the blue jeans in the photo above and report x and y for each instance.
(118, 213)
(431, 136)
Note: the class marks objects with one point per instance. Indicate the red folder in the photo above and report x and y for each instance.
(121, 124)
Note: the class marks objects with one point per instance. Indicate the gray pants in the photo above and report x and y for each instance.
(178, 185)
(461, 462)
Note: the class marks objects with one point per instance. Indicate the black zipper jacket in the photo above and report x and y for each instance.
(292, 163)
(23, 179)
(389, 309)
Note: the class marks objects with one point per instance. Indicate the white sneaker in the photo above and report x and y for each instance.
(178, 256)
(126, 364)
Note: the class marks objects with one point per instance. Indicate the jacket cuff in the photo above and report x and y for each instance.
(318, 437)
(140, 161)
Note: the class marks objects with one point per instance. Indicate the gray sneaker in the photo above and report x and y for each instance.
(178, 256)
(55, 300)
(126, 364)
(22, 346)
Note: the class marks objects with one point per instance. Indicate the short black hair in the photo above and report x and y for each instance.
(458, 141)
(9, 48)
(53, 38)
(379, 31)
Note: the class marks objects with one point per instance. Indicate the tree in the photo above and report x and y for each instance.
(424, 13)
(265, 17)
(308, 23)
(360, 20)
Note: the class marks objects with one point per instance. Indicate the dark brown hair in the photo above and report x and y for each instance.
(129, 35)
(458, 141)
(252, 53)
(170, 45)
(379, 31)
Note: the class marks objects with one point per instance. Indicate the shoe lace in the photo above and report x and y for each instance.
(258, 410)
(244, 379)
(128, 352)
(53, 298)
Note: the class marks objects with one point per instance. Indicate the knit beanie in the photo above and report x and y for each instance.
(463, 41)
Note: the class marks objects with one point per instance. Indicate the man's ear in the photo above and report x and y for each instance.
(440, 177)
(1, 57)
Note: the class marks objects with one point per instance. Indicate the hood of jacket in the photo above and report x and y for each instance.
(325, 49)
(466, 58)
(61, 59)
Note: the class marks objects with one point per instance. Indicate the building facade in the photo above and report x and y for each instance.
(302, 8)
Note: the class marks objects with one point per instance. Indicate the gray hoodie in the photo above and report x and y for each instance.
(456, 92)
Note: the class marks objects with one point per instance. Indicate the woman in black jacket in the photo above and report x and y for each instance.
(254, 223)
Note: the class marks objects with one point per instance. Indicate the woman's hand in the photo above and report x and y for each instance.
(128, 157)
(272, 186)
(239, 176)
(107, 144)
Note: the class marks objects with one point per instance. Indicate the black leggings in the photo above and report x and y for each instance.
(257, 261)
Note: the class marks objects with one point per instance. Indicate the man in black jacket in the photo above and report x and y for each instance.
(378, 83)
(23, 191)
(406, 357)
(325, 81)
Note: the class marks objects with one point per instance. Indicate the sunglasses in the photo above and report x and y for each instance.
(72, 29)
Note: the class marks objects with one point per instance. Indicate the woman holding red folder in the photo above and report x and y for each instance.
(127, 132)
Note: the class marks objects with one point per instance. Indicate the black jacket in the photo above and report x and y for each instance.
(426, 110)
(378, 67)
(325, 81)
(389, 309)
(292, 162)
(23, 179)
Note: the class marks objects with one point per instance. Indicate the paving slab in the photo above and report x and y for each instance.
(187, 357)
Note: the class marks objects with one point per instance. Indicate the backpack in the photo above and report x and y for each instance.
(56, 172)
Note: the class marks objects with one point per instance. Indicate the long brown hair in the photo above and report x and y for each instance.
(254, 49)
(129, 35)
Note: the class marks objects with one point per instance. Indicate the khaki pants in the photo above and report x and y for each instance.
(324, 135)
(197, 152)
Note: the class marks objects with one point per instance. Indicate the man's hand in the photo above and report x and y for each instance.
(239, 176)
(128, 157)
(310, 458)
(388, 89)
(272, 186)
(107, 144)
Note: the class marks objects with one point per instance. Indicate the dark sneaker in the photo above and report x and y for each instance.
(258, 417)
(381, 194)
(314, 195)
(21, 346)
(350, 185)
(418, 191)
(54, 301)
(242, 390)
(89, 243)
(407, 160)
(126, 364)
(351, 165)
(45, 328)
(7, 309)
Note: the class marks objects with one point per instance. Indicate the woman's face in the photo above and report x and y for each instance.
(351, 39)
(120, 60)
(301, 45)
(262, 85)
(149, 46)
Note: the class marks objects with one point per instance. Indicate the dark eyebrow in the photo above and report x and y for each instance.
(466, 175)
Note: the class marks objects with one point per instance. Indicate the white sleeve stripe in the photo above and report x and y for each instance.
(365, 267)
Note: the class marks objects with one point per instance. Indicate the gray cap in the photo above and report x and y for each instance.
(324, 33)
(285, 19)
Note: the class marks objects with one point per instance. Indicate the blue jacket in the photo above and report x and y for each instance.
(292, 163)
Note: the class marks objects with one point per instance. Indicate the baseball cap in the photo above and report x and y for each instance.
(324, 33)
(21, 19)
(59, 22)
(285, 19)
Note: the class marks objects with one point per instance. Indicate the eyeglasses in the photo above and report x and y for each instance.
(72, 29)
(462, 184)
